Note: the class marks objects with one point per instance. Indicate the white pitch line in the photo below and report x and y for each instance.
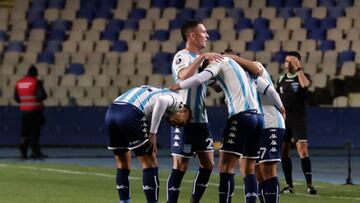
(63, 171)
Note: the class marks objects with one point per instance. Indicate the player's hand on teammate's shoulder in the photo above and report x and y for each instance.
(174, 87)
(213, 56)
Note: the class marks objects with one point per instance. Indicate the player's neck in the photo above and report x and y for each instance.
(193, 49)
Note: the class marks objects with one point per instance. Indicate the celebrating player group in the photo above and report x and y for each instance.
(253, 135)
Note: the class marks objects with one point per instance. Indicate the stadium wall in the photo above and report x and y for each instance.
(84, 126)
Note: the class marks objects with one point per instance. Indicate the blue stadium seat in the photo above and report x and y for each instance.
(317, 34)
(186, 13)
(61, 24)
(279, 57)
(303, 12)
(179, 4)
(119, 46)
(107, 4)
(226, 3)
(162, 63)
(46, 57)
(89, 4)
(255, 46)
(210, 4)
(327, 45)
(115, 24)
(214, 35)
(346, 56)
(53, 46)
(38, 24)
(243, 23)
(111, 35)
(59, 4)
(275, 3)
(34, 14)
(3, 36)
(57, 35)
(37, 6)
(311, 23)
(85, 13)
(177, 23)
(15, 46)
(328, 23)
(159, 4)
(137, 14)
(263, 35)
(76, 69)
(131, 24)
(327, 3)
(293, 3)
(285, 12)
(202, 13)
(160, 35)
(103, 13)
(336, 12)
(235, 13)
(345, 3)
(261, 23)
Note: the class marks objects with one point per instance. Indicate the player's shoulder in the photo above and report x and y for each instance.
(281, 77)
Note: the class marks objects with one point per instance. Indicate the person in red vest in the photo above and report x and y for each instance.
(30, 94)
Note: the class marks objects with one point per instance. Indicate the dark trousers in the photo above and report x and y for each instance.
(30, 131)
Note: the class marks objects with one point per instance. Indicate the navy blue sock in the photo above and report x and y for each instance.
(173, 185)
(200, 184)
(260, 192)
(226, 187)
(151, 184)
(250, 189)
(271, 190)
(123, 185)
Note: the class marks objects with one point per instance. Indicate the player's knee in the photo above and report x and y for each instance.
(207, 165)
(180, 163)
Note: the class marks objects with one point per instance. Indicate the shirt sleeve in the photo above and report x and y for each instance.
(262, 85)
(180, 62)
(161, 104)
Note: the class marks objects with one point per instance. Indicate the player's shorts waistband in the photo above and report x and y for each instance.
(117, 103)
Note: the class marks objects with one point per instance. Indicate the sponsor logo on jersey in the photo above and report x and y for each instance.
(295, 86)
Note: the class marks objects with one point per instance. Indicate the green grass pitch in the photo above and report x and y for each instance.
(50, 183)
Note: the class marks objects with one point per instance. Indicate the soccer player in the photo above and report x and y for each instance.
(195, 137)
(127, 121)
(292, 87)
(270, 147)
(244, 125)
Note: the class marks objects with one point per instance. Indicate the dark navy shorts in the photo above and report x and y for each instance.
(194, 137)
(242, 134)
(270, 144)
(127, 128)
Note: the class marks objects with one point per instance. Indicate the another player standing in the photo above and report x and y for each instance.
(195, 137)
(127, 121)
(292, 87)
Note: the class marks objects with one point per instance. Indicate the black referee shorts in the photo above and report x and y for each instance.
(296, 129)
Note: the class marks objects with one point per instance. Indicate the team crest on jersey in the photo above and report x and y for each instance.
(295, 86)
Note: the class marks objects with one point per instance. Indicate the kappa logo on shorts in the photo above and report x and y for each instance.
(176, 137)
(273, 136)
(233, 128)
(273, 143)
(176, 144)
(273, 149)
(232, 135)
(234, 122)
(230, 141)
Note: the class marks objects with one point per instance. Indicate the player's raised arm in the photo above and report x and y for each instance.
(246, 64)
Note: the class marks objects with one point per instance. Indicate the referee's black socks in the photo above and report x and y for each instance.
(287, 168)
(306, 167)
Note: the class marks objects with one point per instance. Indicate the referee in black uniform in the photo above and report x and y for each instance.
(292, 87)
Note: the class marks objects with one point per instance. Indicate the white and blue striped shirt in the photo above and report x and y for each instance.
(145, 98)
(194, 97)
(238, 87)
(272, 116)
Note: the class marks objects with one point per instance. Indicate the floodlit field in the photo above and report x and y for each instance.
(48, 183)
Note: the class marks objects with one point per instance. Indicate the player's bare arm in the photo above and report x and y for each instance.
(192, 68)
(246, 64)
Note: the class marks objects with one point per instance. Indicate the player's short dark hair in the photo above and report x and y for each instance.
(32, 71)
(294, 53)
(186, 27)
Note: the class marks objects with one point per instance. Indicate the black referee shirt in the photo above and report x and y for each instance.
(291, 93)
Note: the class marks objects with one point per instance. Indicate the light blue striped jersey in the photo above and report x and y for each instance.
(144, 98)
(272, 116)
(194, 97)
(236, 85)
